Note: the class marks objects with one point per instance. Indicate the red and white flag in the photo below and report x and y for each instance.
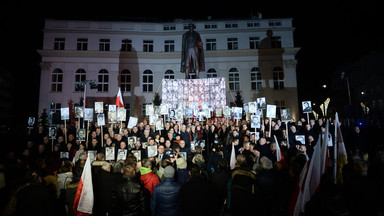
(279, 154)
(83, 203)
(311, 174)
(119, 99)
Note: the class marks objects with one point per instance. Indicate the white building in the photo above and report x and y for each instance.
(138, 55)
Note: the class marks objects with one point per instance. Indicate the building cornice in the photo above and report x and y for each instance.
(165, 55)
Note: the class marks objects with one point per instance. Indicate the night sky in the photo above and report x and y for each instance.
(329, 33)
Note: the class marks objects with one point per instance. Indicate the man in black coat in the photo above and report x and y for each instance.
(103, 189)
(201, 193)
(130, 196)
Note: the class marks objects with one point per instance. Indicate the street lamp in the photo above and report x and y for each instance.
(82, 86)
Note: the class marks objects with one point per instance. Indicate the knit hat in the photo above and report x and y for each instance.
(181, 163)
(169, 172)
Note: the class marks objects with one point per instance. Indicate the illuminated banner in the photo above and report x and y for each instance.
(176, 92)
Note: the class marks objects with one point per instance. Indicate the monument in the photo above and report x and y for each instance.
(192, 55)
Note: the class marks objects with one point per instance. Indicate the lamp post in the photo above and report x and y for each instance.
(345, 76)
(82, 86)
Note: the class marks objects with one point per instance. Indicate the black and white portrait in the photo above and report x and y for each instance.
(238, 113)
(88, 114)
(188, 113)
(80, 134)
(121, 114)
(159, 125)
(137, 154)
(246, 107)
(172, 114)
(79, 112)
(179, 115)
(111, 108)
(92, 155)
(219, 112)
(64, 113)
(52, 132)
(300, 138)
(253, 107)
(109, 153)
(271, 111)
(121, 154)
(226, 111)
(152, 119)
(132, 122)
(131, 142)
(111, 117)
(307, 106)
(64, 155)
(261, 103)
(255, 121)
(164, 109)
(31, 122)
(149, 109)
(152, 151)
(99, 107)
(285, 115)
(100, 120)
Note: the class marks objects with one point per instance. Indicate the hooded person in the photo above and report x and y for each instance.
(182, 172)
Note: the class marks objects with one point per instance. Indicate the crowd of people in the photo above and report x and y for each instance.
(212, 167)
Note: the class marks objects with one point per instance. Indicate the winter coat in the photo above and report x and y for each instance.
(164, 198)
(148, 178)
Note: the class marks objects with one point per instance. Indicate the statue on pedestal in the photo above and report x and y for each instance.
(192, 55)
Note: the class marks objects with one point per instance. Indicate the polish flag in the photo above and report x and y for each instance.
(119, 99)
(83, 203)
(279, 154)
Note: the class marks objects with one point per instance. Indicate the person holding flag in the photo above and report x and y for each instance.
(84, 198)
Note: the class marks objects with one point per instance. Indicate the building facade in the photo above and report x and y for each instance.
(255, 56)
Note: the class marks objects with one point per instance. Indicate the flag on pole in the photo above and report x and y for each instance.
(232, 160)
(310, 178)
(342, 158)
(279, 154)
(119, 99)
(83, 202)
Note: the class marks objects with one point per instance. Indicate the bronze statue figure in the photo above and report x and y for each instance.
(192, 55)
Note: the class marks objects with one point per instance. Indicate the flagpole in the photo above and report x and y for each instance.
(335, 150)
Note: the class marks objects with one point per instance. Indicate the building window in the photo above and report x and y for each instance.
(148, 46)
(234, 79)
(274, 23)
(169, 46)
(254, 42)
(256, 79)
(102, 79)
(82, 44)
(125, 80)
(55, 110)
(231, 25)
(169, 27)
(232, 44)
(253, 24)
(104, 44)
(80, 76)
(126, 45)
(59, 44)
(276, 42)
(210, 26)
(211, 73)
(210, 44)
(148, 81)
(57, 80)
(280, 104)
(169, 74)
(278, 78)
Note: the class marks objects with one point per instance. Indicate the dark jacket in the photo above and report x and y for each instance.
(164, 198)
(130, 198)
(201, 194)
(103, 191)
